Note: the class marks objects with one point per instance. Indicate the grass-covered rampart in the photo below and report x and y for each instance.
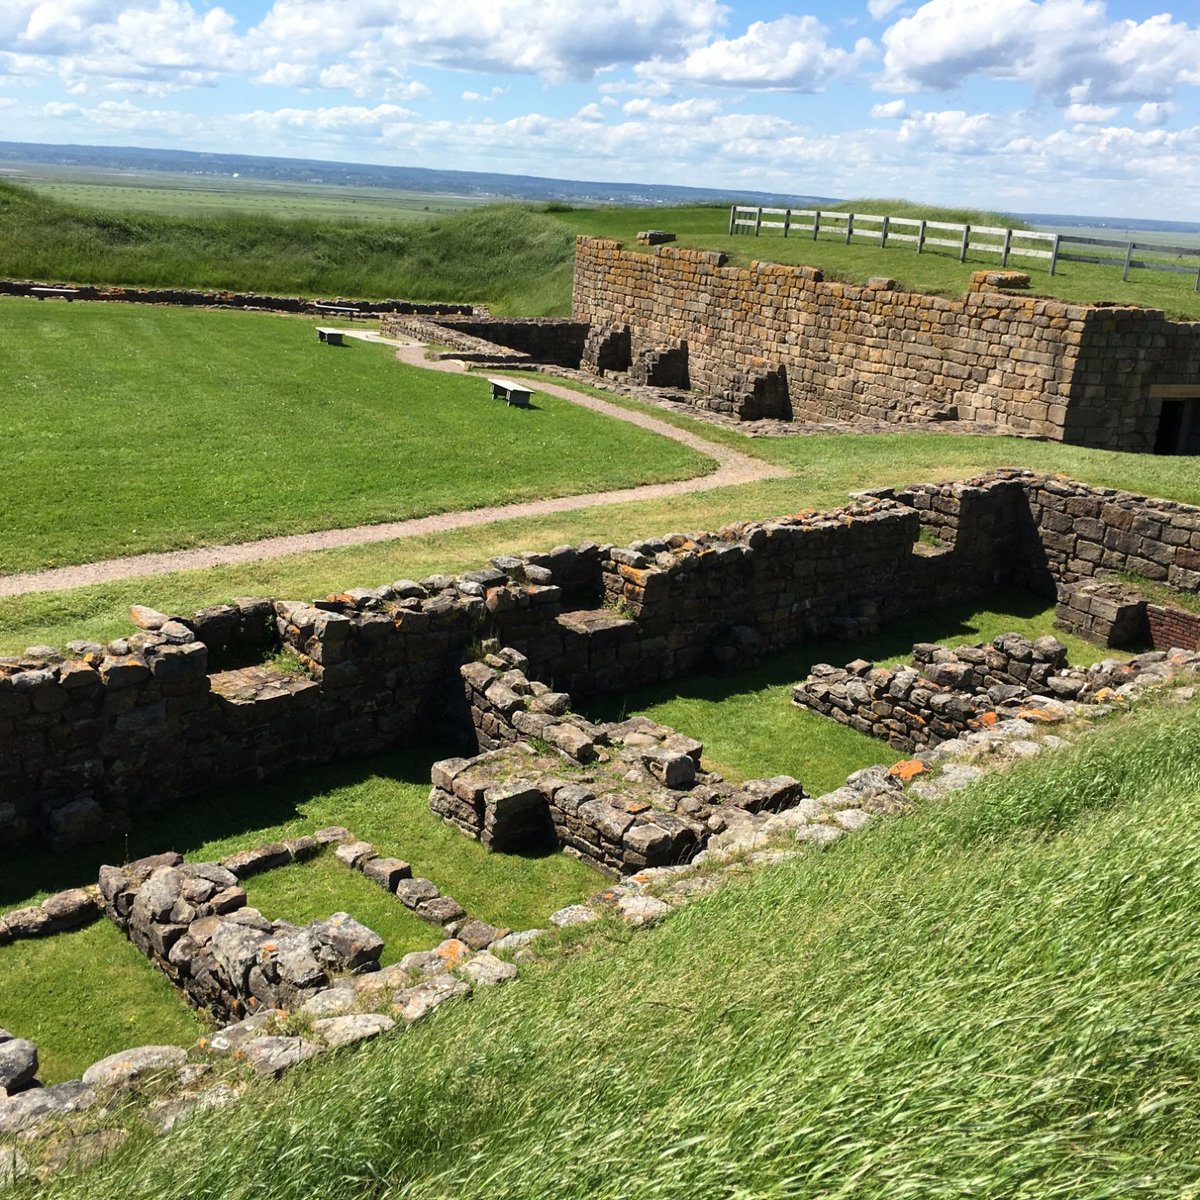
(515, 258)
(993, 996)
(511, 257)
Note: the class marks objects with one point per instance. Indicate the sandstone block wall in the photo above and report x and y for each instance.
(92, 734)
(533, 339)
(1073, 373)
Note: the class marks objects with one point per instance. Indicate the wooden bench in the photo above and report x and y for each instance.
(332, 336)
(339, 310)
(67, 293)
(516, 394)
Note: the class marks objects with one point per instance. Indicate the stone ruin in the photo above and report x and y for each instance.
(93, 734)
(624, 796)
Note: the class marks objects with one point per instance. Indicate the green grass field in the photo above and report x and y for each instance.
(140, 428)
(825, 469)
(46, 984)
(516, 258)
(170, 194)
(993, 996)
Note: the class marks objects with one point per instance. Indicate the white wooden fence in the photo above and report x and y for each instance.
(1051, 248)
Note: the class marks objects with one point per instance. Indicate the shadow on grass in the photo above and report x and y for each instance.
(953, 625)
(203, 818)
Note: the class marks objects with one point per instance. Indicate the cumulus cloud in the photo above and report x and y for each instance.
(1090, 114)
(788, 54)
(572, 39)
(881, 8)
(1153, 115)
(1063, 48)
(484, 97)
(893, 108)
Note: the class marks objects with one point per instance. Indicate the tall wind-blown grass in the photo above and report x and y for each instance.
(995, 996)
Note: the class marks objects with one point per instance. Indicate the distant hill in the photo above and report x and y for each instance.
(416, 179)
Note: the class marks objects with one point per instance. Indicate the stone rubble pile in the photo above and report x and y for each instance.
(947, 693)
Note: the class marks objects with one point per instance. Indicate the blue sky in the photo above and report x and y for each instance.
(1044, 105)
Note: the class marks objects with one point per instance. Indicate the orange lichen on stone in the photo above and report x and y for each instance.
(452, 951)
(988, 719)
(907, 769)
(1045, 715)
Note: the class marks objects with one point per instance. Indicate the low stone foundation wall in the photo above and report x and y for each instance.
(188, 297)
(486, 338)
(948, 693)
(192, 921)
(91, 735)
(624, 796)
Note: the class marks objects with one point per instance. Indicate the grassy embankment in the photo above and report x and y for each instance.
(992, 996)
(83, 995)
(139, 429)
(515, 258)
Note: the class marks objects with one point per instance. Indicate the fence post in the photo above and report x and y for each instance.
(1054, 254)
(787, 221)
(884, 232)
(758, 221)
(1198, 279)
(849, 227)
(921, 237)
(1128, 259)
(732, 216)
(816, 223)
(1007, 247)
(966, 242)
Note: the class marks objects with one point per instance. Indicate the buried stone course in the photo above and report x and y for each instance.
(622, 796)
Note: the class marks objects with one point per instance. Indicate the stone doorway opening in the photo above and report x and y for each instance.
(1179, 423)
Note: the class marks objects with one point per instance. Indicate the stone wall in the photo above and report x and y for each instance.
(1075, 373)
(187, 297)
(1117, 614)
(192, 921)
(624, 796)
(486, 338)
(93, 734)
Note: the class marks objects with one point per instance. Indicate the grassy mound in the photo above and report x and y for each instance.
(511, 257)
(994, 996)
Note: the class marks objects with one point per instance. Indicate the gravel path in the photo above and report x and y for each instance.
(733, 468)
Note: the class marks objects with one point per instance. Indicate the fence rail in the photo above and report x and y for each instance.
(1051, 248)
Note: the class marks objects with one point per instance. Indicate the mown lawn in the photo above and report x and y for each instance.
(132, 428)
(750, 729)
(85, 995)
(993, 996)
(825, 469)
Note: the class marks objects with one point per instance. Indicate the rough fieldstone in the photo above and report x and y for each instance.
(234, 1037)
(272, 1054)
(413, 1003)
(332, 1002)
(486, 970)
(355, 1027)
(30, 1108)
(641, 910)
(573, 914)
(387, 872)
(130, 1065)
(818, 835)
(412, 892)
(515, 941)
(355, 947)
(18, 1063)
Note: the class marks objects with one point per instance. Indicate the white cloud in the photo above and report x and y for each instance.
(1152, 115)
(788, 54)
(952, 130)
(893, 108)
(881, 8)
(1090, 114)
(572, 39)
(1060, 47)
(484, 97)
